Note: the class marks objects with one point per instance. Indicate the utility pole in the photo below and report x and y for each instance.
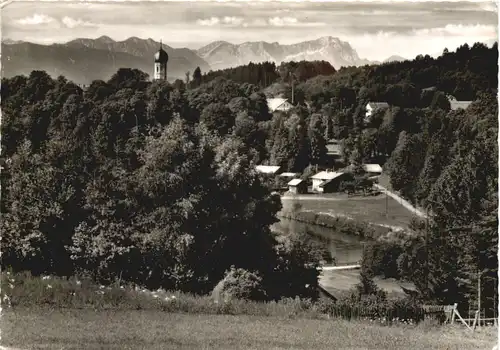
(479, 295)
(427, 248)
(386, 204)
(293, 97)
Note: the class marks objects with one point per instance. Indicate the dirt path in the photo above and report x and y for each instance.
(324, 197)
(402, 201)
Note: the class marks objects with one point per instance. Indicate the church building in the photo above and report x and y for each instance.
(160, 67)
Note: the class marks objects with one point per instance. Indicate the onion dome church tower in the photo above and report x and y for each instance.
(160, 68)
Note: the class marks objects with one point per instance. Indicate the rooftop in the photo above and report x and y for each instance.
(454, 105)
(161, 55)
(326, 175)
(295, 182)
(377, 104)
(274, 103)
(372, 168)
(333, 148)
(288, 174)
(267, 169)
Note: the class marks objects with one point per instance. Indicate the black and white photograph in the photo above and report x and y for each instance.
(249, 175)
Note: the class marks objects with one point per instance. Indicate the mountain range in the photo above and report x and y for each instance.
(85, 60)
(221, 54)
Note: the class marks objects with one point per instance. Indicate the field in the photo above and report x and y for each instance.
(343, 280)
(377, 209)
(87, 329)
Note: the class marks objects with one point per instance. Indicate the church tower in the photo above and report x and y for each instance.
(160, 67)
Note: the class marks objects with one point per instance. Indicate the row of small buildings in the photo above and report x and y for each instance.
(326, 181)
(282, 104)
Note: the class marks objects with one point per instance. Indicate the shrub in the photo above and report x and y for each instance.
(239, 284)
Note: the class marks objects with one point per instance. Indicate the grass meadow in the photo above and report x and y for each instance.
(152, 329)
(58, 313)
(377, 210)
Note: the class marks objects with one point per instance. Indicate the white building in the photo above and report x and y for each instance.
(321, 177)
(371, 107)
(372, 169)
(278, 104)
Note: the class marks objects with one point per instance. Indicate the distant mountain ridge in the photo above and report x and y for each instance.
(222, 54)
(395, 58)
(84, 60)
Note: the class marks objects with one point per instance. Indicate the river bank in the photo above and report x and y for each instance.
(344, 235)
(323, 209)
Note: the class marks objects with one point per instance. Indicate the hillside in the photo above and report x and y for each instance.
(221, 54)
(85, 60)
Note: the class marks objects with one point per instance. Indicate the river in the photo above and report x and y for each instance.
(345, 249)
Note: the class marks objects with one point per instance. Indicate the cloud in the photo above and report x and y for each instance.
(73, 23)
(282, 21)
(233, 20)
(36, 19)
(460, 30)
(293, 22)
(258, 22)
(208, 22)
(422, 41)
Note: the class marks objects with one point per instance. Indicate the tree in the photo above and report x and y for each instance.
(197, 77)
(218, 118)
(126, 78)
(317, 142)
(440, 100)
(406, 161)
(435, 161)
(36, 214)
(299, 146)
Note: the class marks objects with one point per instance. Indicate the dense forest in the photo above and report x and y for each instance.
(156, 184)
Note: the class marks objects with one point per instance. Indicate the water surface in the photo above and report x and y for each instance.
(345, 249)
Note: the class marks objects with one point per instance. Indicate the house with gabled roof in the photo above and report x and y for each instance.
(268, 169)
(371, 107)
(278, 104)
(297, 186)
(329, 181)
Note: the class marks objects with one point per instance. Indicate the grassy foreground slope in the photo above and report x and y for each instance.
(149, 329)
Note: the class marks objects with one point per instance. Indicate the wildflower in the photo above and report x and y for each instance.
(121, 287)
(155, 296)
(101, 287)
(173, 296)
(49, 286)
(45, 278)
(78, 283)
(11, 286)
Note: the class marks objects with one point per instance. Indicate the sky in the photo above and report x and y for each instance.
(376, 30)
